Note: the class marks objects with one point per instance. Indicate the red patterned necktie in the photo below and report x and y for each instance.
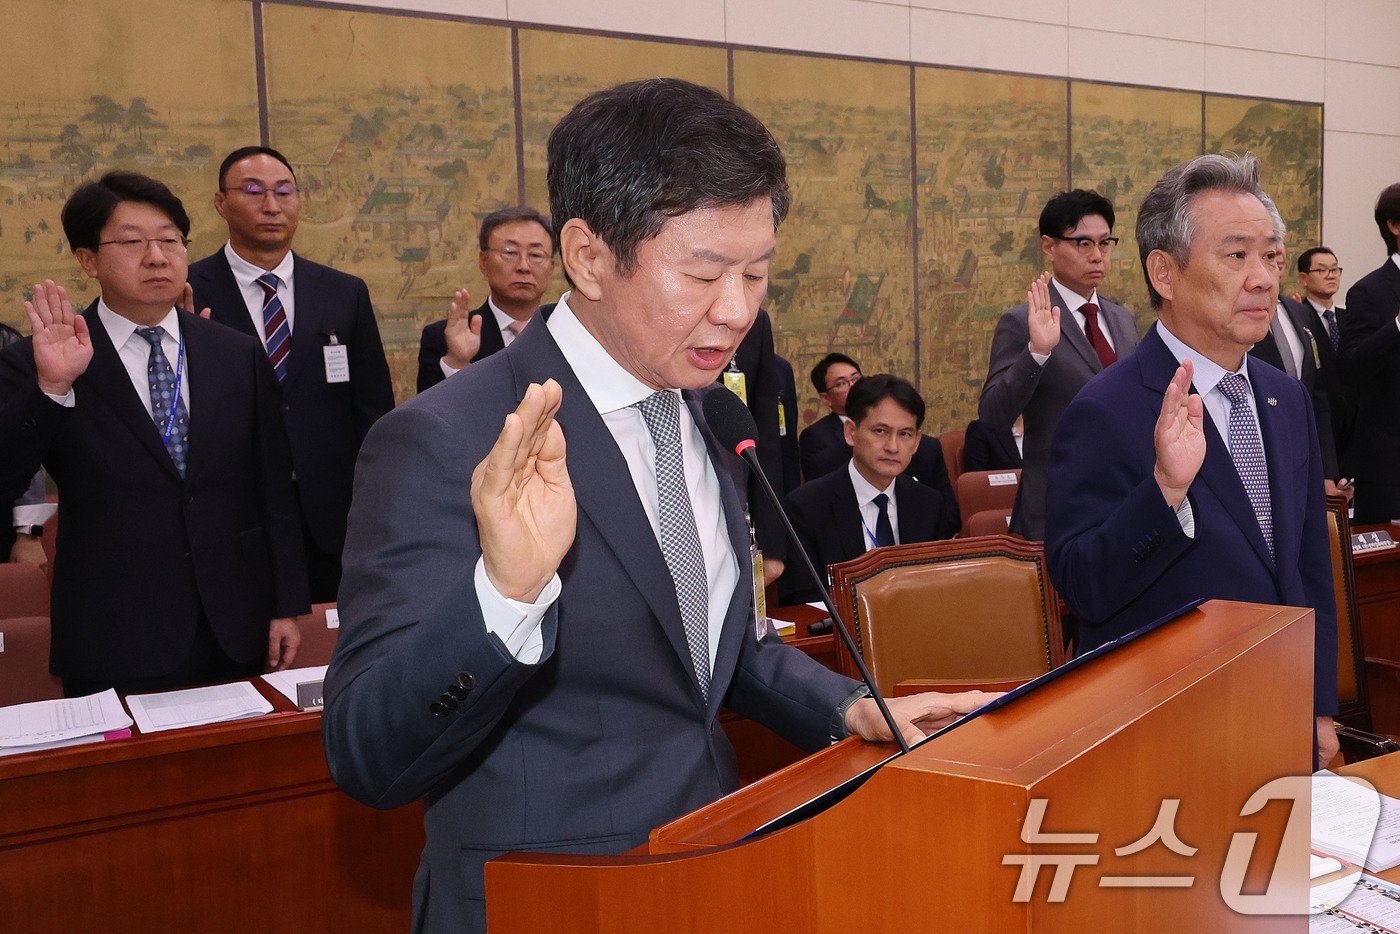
(1096, 338)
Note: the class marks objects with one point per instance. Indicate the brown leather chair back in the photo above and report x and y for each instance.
(317, 641)
(987, 522)
(24, 663)
(974, 610)
(980, 490)
(953, 444)
(24, 591)
(1354, 707)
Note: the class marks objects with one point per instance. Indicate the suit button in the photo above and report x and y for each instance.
(438, 709)
(448, 701)
(28, 425)
(466, 680)
(458, 692)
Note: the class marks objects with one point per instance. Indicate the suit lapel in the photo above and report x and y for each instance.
(207, 395)
(1274, 433)
(1071, 331)
(307, 324)
(1119, 323)
(225, 298)
(109, 378)
(845, 517)
(492, 341)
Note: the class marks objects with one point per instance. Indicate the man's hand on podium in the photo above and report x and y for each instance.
(917, 715)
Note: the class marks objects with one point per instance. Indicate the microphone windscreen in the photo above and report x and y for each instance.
(729, 418)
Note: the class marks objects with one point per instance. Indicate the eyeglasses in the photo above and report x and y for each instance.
(281, 191)
(1087, 244)
(536, 258)
(1329, 272)
(845, 382)
(137, 246)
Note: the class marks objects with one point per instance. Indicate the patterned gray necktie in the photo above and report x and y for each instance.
(1247, 449)
(680, 542)
(165, 392)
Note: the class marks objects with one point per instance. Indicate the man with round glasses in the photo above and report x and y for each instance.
(517, 260)
(320, 333)
(1045, 349)
(179, 556)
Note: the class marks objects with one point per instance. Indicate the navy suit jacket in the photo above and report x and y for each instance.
(141, 552)
(1115, 549)
(827, 519)
(1370, 361)
(326, 422)
(608, 735)
(1017, 385)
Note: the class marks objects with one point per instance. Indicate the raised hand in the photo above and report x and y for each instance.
(62, 345)
(463, 331)
(526, 514)
(186, 302)
(1179, 438)
(1043, 320)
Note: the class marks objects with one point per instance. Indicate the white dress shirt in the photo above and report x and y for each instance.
(1075, 301)
(614, 393)
(246, 275)
(869, 512)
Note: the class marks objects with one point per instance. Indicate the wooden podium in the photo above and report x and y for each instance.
(1203, 711)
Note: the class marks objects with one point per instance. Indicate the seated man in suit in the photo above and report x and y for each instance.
(319, 330)
(985, 448)
(869, 504)
(180, 556)
(517, 259)
(1320, 276)
(540, 648)
(1190, 470)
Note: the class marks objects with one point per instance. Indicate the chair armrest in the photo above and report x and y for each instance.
(1358, 744)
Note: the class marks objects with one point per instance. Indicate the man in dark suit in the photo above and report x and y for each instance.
(517, 259)
(1159, 494)
(1290, 346)
(319, 329)
(1039, 362)
(21, 540)
(869, 504)
(1321, 278)
(179, 557)
(1370, 361)
(985, 449)
(541, 653)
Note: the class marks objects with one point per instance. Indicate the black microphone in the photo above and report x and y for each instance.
(734, 427)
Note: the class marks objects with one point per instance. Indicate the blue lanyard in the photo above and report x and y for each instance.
(174, 396)
(874, 542)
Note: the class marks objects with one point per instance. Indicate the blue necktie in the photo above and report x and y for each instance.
(1247, 449)
(165, 391)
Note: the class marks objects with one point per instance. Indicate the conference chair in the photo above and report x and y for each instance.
(980, 490)
(960, 614)
(953, 444)
(317, 639)
(987, 522)
(1368, 689)
(24, 591)
(24, 662)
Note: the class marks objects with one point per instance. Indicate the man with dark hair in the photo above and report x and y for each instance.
(869, 504)
(541, 651)
(1190, 470)
(320, 333)
(823, 444)
(517, 259)
(1320, 275)
(180, 557)
(1370, 362)
(1040, 360)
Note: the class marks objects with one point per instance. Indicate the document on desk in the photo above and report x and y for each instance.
(286, 681)
(1367, 904)
(1355, 822)
(171, 710)
(43, 723)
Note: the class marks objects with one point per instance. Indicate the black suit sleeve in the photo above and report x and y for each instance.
(1370, 344)
(931, 470)
(29, 422)
(370, 382)
(431, 348)
(280, 516)
(795, 586)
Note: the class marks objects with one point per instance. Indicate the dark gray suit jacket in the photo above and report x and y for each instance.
(608, 735)
(1017, 385)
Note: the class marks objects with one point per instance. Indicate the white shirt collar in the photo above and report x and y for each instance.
(245, 273)
(865, 491)
(1073, 298)
(609, 386)
(1320, 309)
(1206, 373)
(120, 329)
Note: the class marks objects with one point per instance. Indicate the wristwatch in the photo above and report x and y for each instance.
(34, 531)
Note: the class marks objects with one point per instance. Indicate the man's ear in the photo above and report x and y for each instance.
(1161, 272)
(87, 259)
(219, 199)
(849, 427)
(586, 258)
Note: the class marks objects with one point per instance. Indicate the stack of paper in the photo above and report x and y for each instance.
(1355, 822)
(68, 722)
(171, 710)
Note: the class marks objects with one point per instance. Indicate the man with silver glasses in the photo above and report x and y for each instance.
(1040, 360)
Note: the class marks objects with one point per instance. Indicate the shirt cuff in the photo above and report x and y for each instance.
(515, 623)
(67, 400)
(446, 370)
(33, 514)
(1039, 358)
(1186, 518)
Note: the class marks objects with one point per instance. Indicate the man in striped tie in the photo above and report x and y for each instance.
(1190, 471)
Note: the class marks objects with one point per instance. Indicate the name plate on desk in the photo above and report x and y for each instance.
(1362, 542)
(309, 695)
(1002, 479)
